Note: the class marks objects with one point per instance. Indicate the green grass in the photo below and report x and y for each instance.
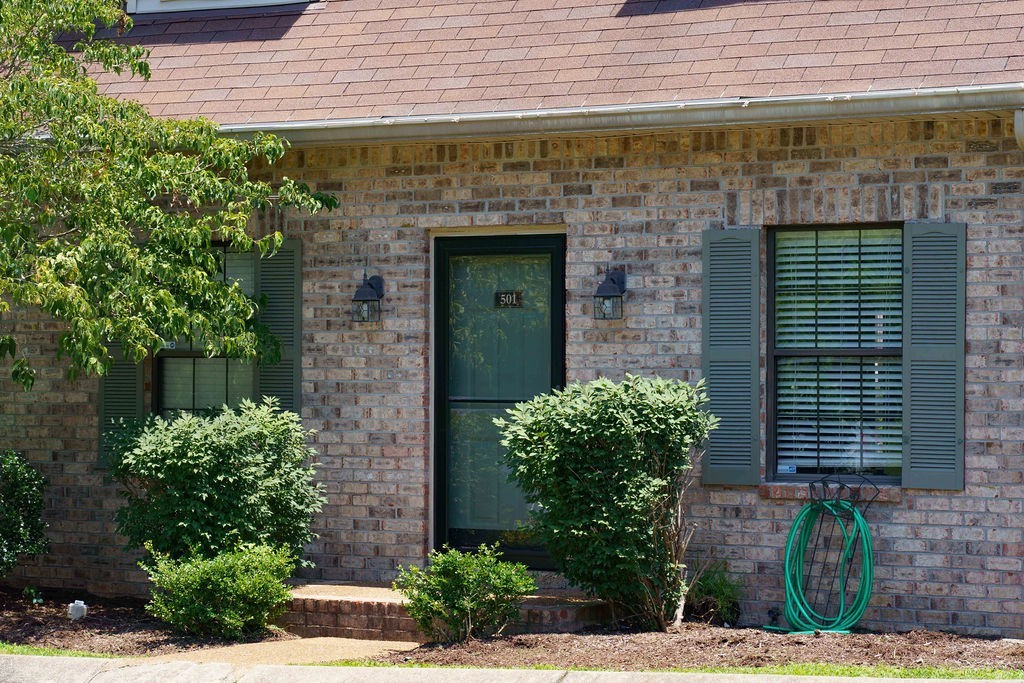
(8, 649)
(817, 669)
(862, 670)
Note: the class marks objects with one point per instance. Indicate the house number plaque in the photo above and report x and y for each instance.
(509, 299)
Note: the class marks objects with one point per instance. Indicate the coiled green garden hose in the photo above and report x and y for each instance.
(799, 613)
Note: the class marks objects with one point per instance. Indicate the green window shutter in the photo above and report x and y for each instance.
(120, 394)
(731, 346)
(934, 286)
(280, 279)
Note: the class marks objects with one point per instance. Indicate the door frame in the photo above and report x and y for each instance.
(477, 245)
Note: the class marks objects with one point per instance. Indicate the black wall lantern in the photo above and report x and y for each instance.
(366, 302)
(609, 294)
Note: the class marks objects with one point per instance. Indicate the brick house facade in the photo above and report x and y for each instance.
(640, 200)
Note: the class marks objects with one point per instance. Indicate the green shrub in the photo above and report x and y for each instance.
(464, 595)
(203, 484)
(232, 595)
(714, 596)
(605, 465)
(22, 531)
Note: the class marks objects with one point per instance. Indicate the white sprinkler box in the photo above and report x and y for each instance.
(77, 610)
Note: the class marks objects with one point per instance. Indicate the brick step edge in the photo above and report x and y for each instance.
(388, 620)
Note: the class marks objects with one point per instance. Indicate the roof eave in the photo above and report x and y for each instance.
(698, 114)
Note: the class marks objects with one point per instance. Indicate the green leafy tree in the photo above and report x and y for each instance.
(108, 216)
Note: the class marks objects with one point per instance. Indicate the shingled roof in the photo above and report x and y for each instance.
(349, 59)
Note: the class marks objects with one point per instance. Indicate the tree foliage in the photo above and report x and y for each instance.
(606, 466)
(107, 214)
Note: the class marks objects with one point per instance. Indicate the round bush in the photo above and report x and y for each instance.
(464, 595)
(604, 464)
(203, 484)
(22, 531)
(232, 595)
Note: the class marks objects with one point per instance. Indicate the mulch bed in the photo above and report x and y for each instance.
(112, 627)
(122, 627)
(699, 645)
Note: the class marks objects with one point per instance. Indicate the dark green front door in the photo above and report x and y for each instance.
(500, 326)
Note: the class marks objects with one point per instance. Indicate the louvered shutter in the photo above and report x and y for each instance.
(120, 395)
(731, 340)
(933, 355)
(280, 280)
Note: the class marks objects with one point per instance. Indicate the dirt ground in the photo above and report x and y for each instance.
(700, 645)
(123, 628)
(111, 627)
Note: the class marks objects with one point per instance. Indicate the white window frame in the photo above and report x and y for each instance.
(154, 6)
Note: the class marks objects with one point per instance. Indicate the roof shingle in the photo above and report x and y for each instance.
(382, 58)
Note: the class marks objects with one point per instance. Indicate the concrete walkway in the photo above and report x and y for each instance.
(30, 669)
(297, 651)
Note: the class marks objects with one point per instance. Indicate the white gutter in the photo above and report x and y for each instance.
(702, 114)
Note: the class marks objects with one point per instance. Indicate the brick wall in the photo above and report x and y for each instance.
(947, 561)
(56, 426)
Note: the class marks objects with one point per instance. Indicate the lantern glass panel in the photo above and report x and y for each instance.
(608, 307)
(366, 311)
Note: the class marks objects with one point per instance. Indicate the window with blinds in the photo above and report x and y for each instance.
(836, 341)
(186, 380)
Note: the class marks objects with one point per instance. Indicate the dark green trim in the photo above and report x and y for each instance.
(444, 249)
(280, 280)
(730, 336)
(934, 305)
(119, 395)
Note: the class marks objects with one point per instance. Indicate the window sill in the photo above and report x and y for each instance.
(775, 490)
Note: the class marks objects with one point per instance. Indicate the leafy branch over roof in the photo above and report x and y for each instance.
(108, 216)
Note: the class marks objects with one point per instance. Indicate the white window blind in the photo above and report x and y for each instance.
(838, 414)
(838, 289)
(838, 303)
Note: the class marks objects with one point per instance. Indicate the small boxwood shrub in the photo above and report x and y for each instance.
(233, 595)
(464, 595)
(605, 465)
(203, 484)
(22, 531)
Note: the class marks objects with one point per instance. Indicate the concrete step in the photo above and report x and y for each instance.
(346, 610)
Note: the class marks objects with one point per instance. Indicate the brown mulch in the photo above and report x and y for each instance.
(112, 627)
(699, 645)
(122, 627)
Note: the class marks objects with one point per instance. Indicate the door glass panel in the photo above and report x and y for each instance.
(479, 496)
(499, 353)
